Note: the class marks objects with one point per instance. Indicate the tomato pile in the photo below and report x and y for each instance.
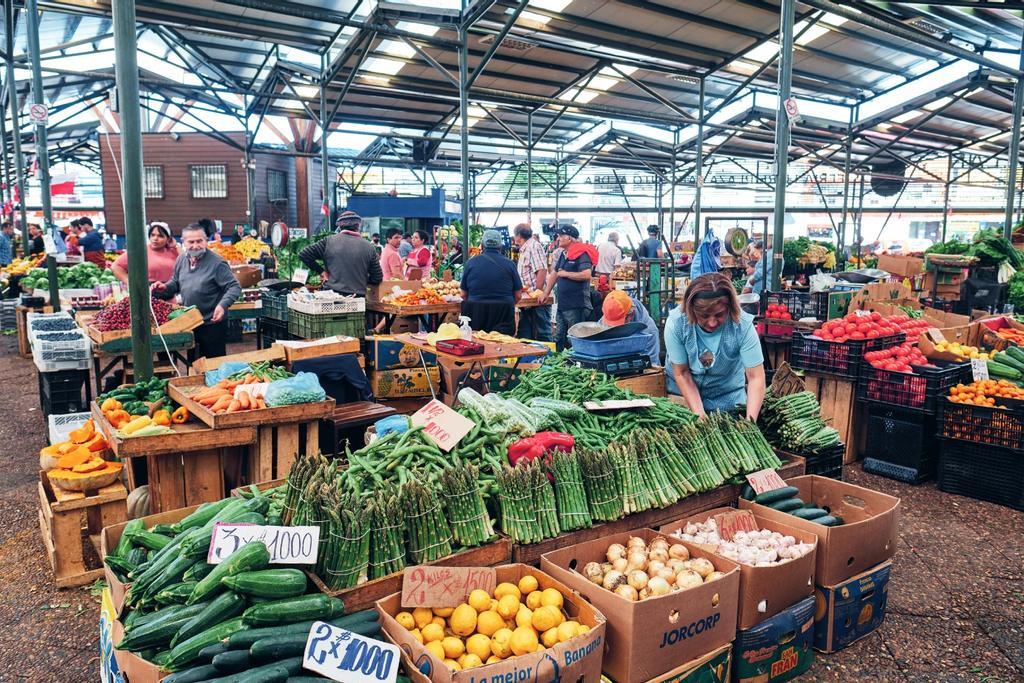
(778, 312)
(898, 358)
(869, 326)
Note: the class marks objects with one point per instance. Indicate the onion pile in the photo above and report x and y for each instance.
(761, 548)
(637, 571)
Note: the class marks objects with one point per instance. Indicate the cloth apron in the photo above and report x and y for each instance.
(723, 385)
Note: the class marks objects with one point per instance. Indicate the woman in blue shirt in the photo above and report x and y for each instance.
(713, 355)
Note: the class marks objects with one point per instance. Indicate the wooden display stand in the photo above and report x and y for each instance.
(839, 407)
(777, 352)
(64, 534)
(650, 382)
(277, 447)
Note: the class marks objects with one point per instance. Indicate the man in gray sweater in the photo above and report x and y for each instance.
(205, 281)
(348, 262)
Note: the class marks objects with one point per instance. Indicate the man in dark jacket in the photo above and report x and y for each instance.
(490, 288)
(348, 262)
(90, 243)
(572, 273)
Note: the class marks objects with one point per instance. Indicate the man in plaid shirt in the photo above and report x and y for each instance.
(534, 322)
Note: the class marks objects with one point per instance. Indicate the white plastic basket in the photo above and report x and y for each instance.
(32, 317)
(62, 350)
(327, 305)
(61, 426)
(59, 365)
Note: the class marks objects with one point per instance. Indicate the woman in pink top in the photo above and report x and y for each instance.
(390, 259)
(419, 257)
(163, 252)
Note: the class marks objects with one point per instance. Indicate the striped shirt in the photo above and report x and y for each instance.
(532, 259)
(6, 255)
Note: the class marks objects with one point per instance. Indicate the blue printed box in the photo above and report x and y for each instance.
(384, 353)
(853, 609)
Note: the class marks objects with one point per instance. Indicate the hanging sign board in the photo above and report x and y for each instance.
(39, 113)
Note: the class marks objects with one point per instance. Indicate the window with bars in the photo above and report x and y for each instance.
(277, 185)
(209, 181)
(153, 182)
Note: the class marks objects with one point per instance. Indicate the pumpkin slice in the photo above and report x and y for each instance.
(97, 444)
(87, 481)
(75, 457)
(89, 466)
(49, 457)
(83, 433)
(67, 447)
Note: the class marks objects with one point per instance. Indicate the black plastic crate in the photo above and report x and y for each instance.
(901, 443)
(269, 331)
(818, 306)
(234, 331)
(920, 390)
(1003, 427)
(62, 392)
(274, 304)
(939, 304)
(799, 304)
(841, 359)
(828, 463)
(981, 471)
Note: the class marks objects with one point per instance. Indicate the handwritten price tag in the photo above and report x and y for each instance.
(765, 480)
(256, 389)
(431, 586)
(345, 656)
(442, 424)
(731, 522)
(979, 368)
(619, 404)
(287, 544)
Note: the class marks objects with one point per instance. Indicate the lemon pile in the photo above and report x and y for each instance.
(963, 350)
(489, 628)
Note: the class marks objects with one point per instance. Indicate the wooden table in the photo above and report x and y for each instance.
(354, 416)
(493, 353)
(105, 357)
(435, 313)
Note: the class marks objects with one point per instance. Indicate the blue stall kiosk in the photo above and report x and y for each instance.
(405, 213)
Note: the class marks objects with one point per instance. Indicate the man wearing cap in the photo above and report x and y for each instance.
(650, 247)
(490, 288)
(348, 263)
(609, 256)
(572, 273)
(620, 308)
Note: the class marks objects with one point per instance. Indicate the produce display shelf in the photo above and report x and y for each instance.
(181, 389)
(188, 437)
(918, 391)
(366, 594)
(840, 359)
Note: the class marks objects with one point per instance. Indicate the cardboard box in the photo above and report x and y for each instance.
(650, 382)
(866, 538)
(780, 649)
(714, 667)
(578, 659)
(846, 613)
(404, 383)
(385, 353)
(943, 320)
(766, 591)
(905, 266)
(881, 292)
(134, 667)
(111, 535)
(653, 636)
(247, 276)
(504, 377)
(376, 293)
(454, 372)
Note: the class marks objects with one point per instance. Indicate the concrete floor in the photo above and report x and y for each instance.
(956, 597)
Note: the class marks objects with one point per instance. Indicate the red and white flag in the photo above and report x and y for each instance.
(62, 184)
(16, 194)
(325, 210)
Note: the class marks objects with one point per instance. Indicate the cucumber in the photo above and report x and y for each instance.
(787, 505)
(292, 644)
(248, 557)
(124, 543)
(193, 675)
(171, 575)
(776, 494)
(203, 514)
(157, 632)
(998, 370)
(120, 566)
(235, 660)
(747, 493)
(176, 594)
(1016, 353)
(186, 652)
(268, 673)
(165, 530)
(827, 520)
(208, 653)
(223, 607)
(809, 513)
(290, 610)
(268, 583)
(197, 571)
(365, 619)
(160, 658)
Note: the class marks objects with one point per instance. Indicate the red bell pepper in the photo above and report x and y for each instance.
(537, 445)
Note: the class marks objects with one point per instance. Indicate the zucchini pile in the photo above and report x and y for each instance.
(786, 500)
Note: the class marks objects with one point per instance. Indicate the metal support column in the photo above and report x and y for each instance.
(126, 71)
(464, 133)
(846, 183)
(32, 28)
(858, 233)
(945, 197)
(5, 184)
(782, 137)
(325, 125)
(698, 173)
(672, 188)
(15, 107)
(529, 168)
(250, 171)
(1014, 153)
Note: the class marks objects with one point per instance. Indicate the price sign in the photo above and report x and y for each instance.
(731, 522)
(38, 113)
(765, 480)
(255, 389)
(287, 544)
(862, 314)
(979, 368)
(431, 586)
(341, 655)
(300, 275)
(50, 245)
(619, 404)
(442, 424)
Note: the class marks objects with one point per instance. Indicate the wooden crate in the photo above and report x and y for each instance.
(650, 382)
(69, 520)
(181, 389)
(277, 447)
(777, 353)
(262, 486)
(840, 408)
(366, 594)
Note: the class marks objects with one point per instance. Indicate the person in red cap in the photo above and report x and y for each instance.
(620, 308)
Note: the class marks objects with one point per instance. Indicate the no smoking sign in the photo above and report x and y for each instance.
(39, 113)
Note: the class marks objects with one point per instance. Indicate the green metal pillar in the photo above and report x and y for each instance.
(1014, 153)
(325, 124)
(127, 74)
(945, 196)
(698, 173)
(782, 138)
(32, 16)
(15, 107)
(464, 133)
(841, 241)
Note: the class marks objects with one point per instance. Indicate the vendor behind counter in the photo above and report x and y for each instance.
(620, 308)
(348, 262)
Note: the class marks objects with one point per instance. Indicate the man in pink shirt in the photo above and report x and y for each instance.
(390, 259)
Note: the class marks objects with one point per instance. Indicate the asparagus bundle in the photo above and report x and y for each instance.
(742, 452)
(459, 485)
(387, 532)
(676, 468)
(427, 533)
(601, 479)
(343, 561)
(544, 501)
(518, 505)
(304, 468)
(661, 492)
(764, 454)
(635, 496)
(692, 446)
(570, 495)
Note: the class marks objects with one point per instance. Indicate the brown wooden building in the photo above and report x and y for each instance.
(189, 176)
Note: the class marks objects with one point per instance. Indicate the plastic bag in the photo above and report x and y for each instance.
(302, 388)
(821, 282)
(708, 256)
(391, 424)
(225, 370)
